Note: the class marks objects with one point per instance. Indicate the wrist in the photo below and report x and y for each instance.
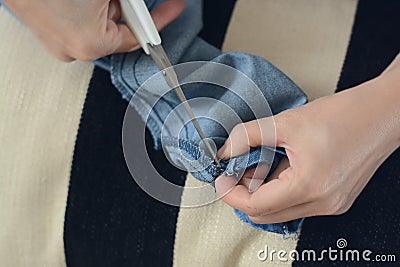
(382, 97)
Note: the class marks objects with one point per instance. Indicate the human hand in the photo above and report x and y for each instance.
(334, 145)
(83, 29)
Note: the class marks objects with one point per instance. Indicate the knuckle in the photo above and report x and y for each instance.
(286, 119)
(66, 59)
(252, 212)
(238, 129)
(257, 220)
(85, 50)
(62, 55)
(103, 48)
(286, 123)
(251, 209)
(335, 205)
(238, 132)
(345, 207)
(86, 56)
(343, 210)
(316, 193)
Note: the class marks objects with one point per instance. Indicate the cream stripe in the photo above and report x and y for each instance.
(41, 101)
(213, 236)
(307, 39)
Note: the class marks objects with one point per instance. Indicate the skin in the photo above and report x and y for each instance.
(85, 29)
(334, 146)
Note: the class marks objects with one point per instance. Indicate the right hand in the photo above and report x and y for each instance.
(85, 29)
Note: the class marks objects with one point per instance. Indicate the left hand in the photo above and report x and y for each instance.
(334, 145)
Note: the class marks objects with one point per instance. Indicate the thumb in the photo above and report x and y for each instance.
(163, 15)
(167, 12)
(262, 132)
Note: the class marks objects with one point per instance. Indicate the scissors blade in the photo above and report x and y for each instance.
(161, 59)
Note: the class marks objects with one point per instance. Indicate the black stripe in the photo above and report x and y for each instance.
(109, 220)
(374, 43)
(372, 223)
(216, 17)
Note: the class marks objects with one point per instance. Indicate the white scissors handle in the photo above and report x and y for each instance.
(137, 17)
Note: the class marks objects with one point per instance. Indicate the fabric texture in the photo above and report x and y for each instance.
(109, 219)
(40, 109)
(307, 39)
(155, 101)
(222, 239)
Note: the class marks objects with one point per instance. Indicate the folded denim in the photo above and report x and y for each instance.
(129, 71)
(192, 157)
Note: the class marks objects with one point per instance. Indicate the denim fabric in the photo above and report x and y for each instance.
(181, 141)
(129, 71)
(192, 157)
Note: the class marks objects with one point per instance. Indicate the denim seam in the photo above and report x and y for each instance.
(115, 64)
(196, 153)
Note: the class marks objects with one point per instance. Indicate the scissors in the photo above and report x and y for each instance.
(137, 17)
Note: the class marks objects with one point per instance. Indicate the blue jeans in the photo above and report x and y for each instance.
(130, 71)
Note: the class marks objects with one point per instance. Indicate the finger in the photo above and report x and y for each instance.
(167, 12)
(245, 181)
(224, 184)
(253, 180)
(114, 10)
(270, 197)
(163, 15)
(125, 40)
(128, 41)
(283, 165)
(247, 135)
(309, 209)
(279, 194)
(258, 177)
(257, 174)
(247, 176)
(237, 196)
(304, 210)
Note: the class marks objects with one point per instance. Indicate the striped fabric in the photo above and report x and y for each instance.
(68, 199)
